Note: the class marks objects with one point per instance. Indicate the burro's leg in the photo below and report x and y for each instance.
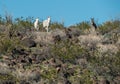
(47, 29)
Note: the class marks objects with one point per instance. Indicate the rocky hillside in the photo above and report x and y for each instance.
(75, 55)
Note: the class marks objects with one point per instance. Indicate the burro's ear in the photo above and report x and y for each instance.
(49, 17)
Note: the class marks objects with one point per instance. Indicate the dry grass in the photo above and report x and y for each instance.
(43, 37)
(4, 69)
(90, 39)
(107, 48)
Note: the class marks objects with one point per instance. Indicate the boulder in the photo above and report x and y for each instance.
(28, 42)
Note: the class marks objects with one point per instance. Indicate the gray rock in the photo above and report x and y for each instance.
(28, 42)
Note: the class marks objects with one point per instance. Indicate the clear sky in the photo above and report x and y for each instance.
(69, 11)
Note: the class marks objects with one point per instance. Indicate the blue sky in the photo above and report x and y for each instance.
(69, 11)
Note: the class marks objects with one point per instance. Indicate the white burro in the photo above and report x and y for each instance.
(36, 26)
(46, 24)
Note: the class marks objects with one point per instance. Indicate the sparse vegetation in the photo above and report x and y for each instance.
(61, 56)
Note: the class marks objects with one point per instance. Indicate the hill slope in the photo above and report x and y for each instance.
(62, 56)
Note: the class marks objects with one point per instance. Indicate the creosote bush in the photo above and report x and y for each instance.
(58, 25)
(66, 50)
(83, 25)
(27, 23)
(109, 26)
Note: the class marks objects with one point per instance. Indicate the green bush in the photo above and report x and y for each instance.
(26, 23)
(55, 25)
(6, 45)
(109, 26)
(67, 51)
(83, 25)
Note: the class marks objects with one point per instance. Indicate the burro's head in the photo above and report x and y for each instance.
(48, 18)
(37, 19)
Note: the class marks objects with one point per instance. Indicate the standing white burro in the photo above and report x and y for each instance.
(36, 26)
(46, 24)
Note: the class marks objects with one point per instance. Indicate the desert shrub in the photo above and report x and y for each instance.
(109, 26)
(8, 18)
(8, 79)
(81, 76)
(104, 64)
(6, 45)
(89, 39)
(49, 74)
(24, 22)
(67, 51)
(41, 26)
(55, 25)
(5, 75)
(107, 48)
(86, 77)
(83, 25)
(1, 20)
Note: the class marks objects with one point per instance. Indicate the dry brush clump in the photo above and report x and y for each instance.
(108, 48)
(90, 41)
